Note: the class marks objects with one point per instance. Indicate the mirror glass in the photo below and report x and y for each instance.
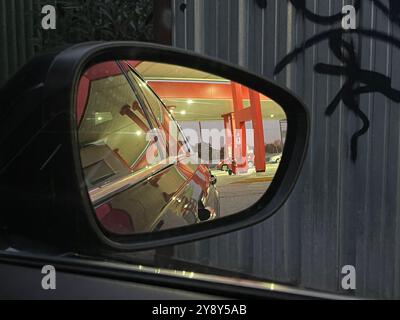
(164, 146)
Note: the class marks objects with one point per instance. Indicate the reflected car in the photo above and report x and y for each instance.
(274, 158)
(135, 182)
(226, 164)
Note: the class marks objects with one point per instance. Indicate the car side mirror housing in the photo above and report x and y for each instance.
(63, 167)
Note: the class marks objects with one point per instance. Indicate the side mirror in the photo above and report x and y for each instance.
(106, 165)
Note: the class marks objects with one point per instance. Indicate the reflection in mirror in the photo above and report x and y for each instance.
(164, 146)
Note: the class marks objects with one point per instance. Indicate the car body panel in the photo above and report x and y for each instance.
(79, 278)
(165, 200)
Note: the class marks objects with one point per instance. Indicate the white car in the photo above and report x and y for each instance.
(274, 158)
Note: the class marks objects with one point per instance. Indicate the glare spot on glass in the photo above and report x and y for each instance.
(270, 286)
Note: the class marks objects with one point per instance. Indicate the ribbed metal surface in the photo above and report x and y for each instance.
(16, 35)
(340, 212)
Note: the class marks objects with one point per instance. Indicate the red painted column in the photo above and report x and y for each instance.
(258, 127)
(228, 135)
(240, 132)
(127, 111)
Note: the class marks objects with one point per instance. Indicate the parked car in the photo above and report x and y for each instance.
(274, 158)
(226, 164)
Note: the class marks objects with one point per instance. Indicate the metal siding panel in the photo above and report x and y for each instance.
(16, 31)
(318, 181)
(308, 94)
(3, 39)
(28, 15)
(278, 221)
(335, 149)
(210, 29)
(255, 37)
(374, 260)
(20, 25)
(298, 203)
(179, 24)
(190, 24)
(233, 31)
(362, 167)
(223, 29)
(198, 9)
(381, 214)
(267, 235)
(11, 36)
(270, 38)
(339, 212)
(393, 172)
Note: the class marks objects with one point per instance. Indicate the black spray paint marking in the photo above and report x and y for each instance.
(358, 81)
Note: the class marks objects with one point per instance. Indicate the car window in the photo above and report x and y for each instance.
(131, 193)
(113, 131)
(177, 143)
(153, 101)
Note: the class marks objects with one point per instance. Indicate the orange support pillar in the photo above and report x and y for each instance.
(229, 141)
(258, 127)
(253, 114)
(240, 150)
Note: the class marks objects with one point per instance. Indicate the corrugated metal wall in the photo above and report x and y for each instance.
(340, 212)
(16, 35)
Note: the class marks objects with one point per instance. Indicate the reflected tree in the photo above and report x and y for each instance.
(91, 20)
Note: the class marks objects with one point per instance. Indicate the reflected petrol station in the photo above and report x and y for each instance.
(237, 132)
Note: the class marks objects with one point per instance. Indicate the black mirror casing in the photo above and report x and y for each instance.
(48, 198)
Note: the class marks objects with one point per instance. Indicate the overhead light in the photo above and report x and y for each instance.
(190, 101)
(101, 117)
(171, 109)
(138, 133)
(272, 116)
(183, 112)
